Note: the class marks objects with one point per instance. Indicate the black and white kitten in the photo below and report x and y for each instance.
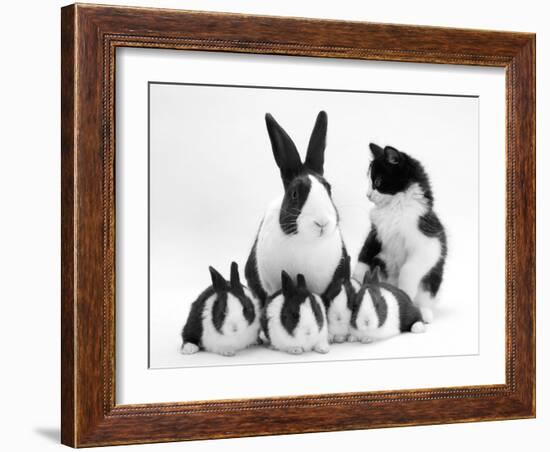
(406, 241)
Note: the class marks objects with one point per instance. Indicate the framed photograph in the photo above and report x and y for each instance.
(280, 225)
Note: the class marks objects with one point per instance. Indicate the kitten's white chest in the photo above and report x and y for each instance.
(396, 225)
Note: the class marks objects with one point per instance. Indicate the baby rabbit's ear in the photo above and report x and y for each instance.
(332, 290)
(236, 285)
(218, 281)
(375, 275)
(367, 277)
(346, 272)
(301, 281)
(284, 150)
(287, 286)
(315, 158)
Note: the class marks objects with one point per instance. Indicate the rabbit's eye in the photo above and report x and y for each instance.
(377, 182)
(294, 194)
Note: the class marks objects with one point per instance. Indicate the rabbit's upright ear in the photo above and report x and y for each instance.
(367, 278)
(287, 286)
(393, 156)
(236, 285)
(375, 275)
(218, 281)
(315, 158)
(332, 290)
(284, 150)
(346, 272)
(301, 281)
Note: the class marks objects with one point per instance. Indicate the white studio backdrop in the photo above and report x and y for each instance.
(190, 225)
(212, 175)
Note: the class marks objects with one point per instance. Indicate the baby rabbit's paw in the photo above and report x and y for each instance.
(366, 340)
(322, 348)
(339, 338)
(295, 350)
(418, 327)
(227, 353)
(188, 348)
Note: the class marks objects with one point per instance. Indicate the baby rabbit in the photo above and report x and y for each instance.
(381, 311)
(294, 319)
(223, 319)
(338, 299)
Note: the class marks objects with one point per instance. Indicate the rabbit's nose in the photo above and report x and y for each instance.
(234, 327)
(321, 223)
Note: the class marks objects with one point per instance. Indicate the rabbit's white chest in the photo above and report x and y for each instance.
(236, 333)
(339, 315)
(307, 333)
(316, 259)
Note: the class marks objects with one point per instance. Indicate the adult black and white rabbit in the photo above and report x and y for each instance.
(224, 319)
(300, 231)
(407, 240)
(294, 319)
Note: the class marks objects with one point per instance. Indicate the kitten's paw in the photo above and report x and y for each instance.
(427, 314)
(418, 327)
(339, 338)
(295, 350)
(366, 340)
(322, 348)
(227, 353)
(188, 348)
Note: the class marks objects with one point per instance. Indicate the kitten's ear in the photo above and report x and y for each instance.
(218, 281)
(287, 286)
(284, 150)
(315, 157)
(393, 156)
(376, 150)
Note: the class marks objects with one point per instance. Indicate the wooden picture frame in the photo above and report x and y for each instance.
(90, 35)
